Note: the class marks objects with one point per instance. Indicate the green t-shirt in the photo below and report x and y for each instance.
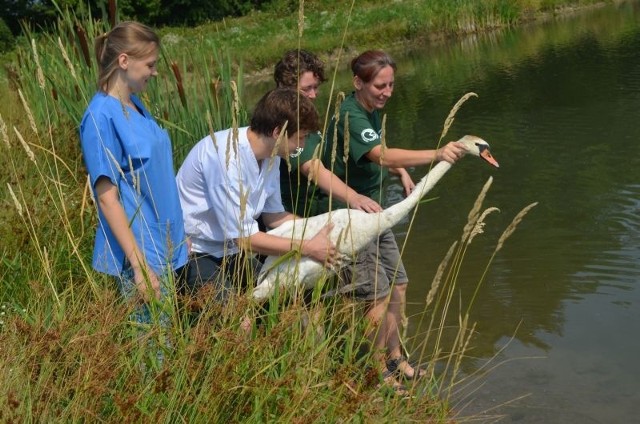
(299, 195)
(361, 174)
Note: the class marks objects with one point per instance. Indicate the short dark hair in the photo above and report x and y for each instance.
(295, 63)
(368, 64)
(284, 105)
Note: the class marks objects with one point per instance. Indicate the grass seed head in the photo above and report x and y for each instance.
(512, 227)
(27, 109)
(25, 146)
(3, 132)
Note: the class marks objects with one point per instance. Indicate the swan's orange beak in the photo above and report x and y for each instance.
(486, 155)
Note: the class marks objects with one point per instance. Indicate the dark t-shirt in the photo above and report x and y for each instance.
(364, 133)
(299, 195)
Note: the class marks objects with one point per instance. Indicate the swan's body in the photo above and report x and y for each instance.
(352, 230)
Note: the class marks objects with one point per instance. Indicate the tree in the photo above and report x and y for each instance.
(42, 13)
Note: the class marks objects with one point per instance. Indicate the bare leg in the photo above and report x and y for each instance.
(376, 331)
(393, 325)
(394, 320)
(376, 317)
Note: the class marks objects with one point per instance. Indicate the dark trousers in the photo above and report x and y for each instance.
(229, 274)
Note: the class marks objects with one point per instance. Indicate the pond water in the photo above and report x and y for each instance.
(558, 313)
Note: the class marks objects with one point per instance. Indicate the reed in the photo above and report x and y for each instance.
(67, 349)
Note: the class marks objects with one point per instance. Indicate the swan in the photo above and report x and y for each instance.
(352, 230)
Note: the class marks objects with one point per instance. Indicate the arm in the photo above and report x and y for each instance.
(273, 220)
(401, 158)
(405, 179)
(109, 203)
(315, 171)
(319, 247)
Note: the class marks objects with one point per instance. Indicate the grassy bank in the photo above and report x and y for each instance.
(333, 28)
(67, 349)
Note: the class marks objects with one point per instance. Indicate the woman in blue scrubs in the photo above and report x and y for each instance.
(140, 238)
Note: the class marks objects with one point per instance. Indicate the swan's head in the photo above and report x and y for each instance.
(478, 147)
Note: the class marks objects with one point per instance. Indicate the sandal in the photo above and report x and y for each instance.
(399, 366)
(390, 385)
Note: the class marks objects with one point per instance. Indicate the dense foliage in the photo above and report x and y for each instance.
(6, 37)
(42, 13)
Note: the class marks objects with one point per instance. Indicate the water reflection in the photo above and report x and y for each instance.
(558, 102)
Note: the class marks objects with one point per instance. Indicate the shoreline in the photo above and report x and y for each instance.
(438, 38)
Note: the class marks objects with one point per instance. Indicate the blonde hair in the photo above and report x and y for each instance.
(131, 38)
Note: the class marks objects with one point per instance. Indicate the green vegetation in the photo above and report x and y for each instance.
(43, 13)
(331, 28)
(67, 349)
(6, 37)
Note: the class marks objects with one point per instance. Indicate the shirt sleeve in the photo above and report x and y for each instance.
(273, 201)
(229, 200)
(362, 136)
(226, 204)
(100, 147)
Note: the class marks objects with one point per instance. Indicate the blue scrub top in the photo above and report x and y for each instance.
(129, 148)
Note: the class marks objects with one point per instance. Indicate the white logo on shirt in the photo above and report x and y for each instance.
(368, 135)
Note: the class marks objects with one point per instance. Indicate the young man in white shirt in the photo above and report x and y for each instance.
(230, 180)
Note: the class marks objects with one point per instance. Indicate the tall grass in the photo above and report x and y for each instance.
(67, 349)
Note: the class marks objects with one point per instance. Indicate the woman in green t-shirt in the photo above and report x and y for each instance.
(304, 71)
(378, 272)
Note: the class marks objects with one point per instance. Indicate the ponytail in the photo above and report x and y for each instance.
(131, 38)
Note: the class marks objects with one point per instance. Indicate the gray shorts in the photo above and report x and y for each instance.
(375, 270)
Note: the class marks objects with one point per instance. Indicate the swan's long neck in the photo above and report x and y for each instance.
(397, 212)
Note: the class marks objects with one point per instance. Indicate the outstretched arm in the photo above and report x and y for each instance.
(402, 158)
(315, 171)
